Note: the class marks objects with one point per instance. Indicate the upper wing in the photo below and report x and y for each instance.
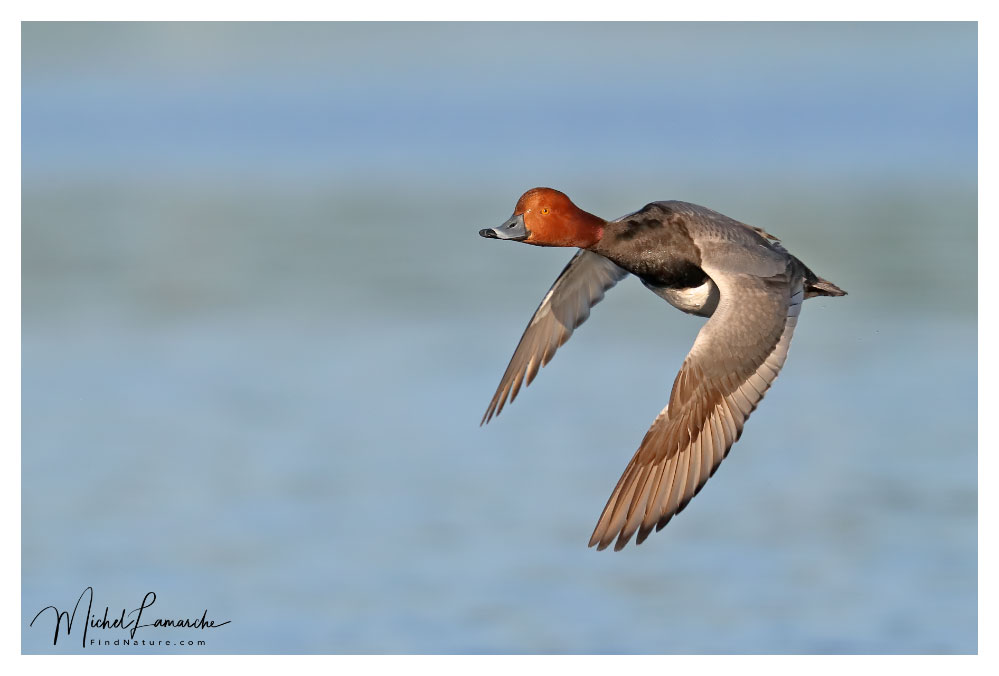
(735, 358)
(566, 305)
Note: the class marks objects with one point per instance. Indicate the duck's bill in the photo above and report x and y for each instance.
(513, 229)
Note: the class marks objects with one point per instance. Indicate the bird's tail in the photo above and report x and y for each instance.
(817, 286)
(822, 287)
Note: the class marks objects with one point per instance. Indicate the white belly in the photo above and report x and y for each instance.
(698, 300)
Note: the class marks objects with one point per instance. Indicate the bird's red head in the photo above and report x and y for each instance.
(547, 217)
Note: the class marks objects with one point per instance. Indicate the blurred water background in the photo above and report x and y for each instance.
(259, 331)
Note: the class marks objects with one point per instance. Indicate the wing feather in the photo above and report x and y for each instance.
(735, 359)
(579, 287)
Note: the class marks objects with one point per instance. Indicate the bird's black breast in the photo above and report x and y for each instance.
(655, 245)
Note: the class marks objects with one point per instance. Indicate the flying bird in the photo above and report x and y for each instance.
(701, 262)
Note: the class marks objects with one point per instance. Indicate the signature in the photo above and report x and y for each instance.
(121, 622)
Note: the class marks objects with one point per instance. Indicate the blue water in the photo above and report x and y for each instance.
(259, 331)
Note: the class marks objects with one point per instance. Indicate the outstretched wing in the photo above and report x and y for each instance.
(735, 358)
(566, 305)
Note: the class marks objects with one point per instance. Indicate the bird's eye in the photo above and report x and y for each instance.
(545, 210)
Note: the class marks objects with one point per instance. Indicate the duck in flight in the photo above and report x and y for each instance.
(701, 262)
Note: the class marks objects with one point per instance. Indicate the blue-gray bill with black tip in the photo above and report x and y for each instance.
(513, 229)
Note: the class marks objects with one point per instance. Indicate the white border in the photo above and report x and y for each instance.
(10, 625)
